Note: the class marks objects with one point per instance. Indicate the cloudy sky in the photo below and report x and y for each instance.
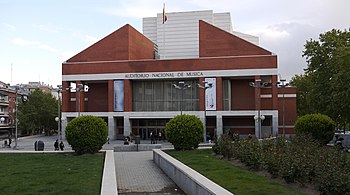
(37, 36)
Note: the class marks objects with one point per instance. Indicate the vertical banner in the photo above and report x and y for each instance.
(210, 94)
(119, 95)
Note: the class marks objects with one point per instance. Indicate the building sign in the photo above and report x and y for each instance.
(155, 75)
(210, 94)
(118, 95)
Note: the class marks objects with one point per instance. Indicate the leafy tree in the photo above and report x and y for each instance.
(86, 134)
(324, 88)
(319, 126)
(38, 112)
(184, 132)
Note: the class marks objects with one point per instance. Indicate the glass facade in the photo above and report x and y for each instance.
(161, 95)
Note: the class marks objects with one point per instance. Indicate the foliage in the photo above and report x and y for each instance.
(59, 173)
(86, 134)
(300, 159)
(184, 131)
(321, 127)
(324, 87)
(235, 179)
(223, 145)
(38, 112)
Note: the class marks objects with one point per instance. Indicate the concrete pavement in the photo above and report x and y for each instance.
(136, 173)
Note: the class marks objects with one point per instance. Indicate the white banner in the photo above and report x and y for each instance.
(119, 95)
(210, 94)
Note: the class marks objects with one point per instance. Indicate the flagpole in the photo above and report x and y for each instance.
(163, 30)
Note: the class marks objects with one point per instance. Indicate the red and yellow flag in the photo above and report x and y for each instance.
(165, 18)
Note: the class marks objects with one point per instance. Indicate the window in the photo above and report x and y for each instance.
(162, 96)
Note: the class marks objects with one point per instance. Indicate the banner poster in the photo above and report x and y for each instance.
(210, 94)
(118, 95)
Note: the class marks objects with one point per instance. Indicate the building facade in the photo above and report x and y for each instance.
(137, 82)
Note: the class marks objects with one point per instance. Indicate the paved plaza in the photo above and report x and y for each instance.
(136, 172)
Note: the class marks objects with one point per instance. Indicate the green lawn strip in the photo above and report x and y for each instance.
(63, 173)
(236, 180)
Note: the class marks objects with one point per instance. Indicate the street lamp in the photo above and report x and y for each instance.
(78, 88)
(205, 87)
(258, 84)
(283, 85)
(16, 120)
(59, 90)
(182, 86)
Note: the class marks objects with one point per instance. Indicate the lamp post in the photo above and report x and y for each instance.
(205, 87)
(181, 86)
(258, 84)
(16, 120)
(59, 90)
(77, 89)
(283, 85)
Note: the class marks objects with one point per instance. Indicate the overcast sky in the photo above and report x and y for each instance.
(37, 36)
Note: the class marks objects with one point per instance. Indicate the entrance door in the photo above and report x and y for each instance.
(143, 133)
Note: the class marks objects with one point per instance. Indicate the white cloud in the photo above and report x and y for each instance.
(90, 39)
(9, 26)
(67, 55)
(47, 28)
(36, 44)
(135, 9)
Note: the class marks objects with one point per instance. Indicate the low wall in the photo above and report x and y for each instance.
(190, 181)
(109, 179)
(134, 147)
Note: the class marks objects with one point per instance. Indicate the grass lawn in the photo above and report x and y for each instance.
(236, 180)
(62, 173)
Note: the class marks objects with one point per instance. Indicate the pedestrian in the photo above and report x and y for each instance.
(62, 146)
(152, 137)
(10, 141)
(108, 139)
(56, 145)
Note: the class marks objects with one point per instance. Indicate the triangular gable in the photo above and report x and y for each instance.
(126, 43)
(214, 42)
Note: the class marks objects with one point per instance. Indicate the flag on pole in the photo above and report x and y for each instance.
(165, 18)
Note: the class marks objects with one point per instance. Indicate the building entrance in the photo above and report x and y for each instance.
(144, 128)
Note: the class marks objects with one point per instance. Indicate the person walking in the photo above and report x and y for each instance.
(10, 141)
(62, 146)
(56, 145)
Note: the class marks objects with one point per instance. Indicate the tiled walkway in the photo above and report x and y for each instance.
(137, 173)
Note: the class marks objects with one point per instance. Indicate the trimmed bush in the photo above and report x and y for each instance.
(298, 160)
(319, 126)
(184, 131)
(86, 134)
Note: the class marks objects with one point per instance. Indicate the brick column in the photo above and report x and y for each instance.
(274, 93)
(110, 96)
(82, 98)
(65, 97)
(256, 93)
(219, 93)
(127, 95)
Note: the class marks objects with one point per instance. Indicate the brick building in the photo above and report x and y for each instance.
(128, 79)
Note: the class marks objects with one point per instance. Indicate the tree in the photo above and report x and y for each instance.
(184, 132)
(324, 88)
(87, 134)
(38, 112)
(319, 126)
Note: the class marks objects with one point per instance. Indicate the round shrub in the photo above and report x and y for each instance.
(86, 134)
(184, 132)
(319, 126)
